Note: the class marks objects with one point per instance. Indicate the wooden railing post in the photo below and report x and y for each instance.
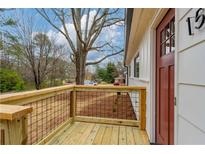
(73, 104)
(142, 109)
(13, 124)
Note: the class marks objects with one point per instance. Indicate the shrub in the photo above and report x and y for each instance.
(10, 81)
(107, 74)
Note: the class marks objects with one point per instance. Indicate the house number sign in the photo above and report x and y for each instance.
(199, 19)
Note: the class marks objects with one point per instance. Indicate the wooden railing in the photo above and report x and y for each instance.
(54, 108)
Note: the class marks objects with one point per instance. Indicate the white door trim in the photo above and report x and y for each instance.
(160, 13)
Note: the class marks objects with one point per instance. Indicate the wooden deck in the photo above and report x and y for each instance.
(83, 133)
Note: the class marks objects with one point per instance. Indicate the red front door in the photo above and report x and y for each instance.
(165, 79)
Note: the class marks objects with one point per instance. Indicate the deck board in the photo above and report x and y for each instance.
(82, 133)
(99, 135)
(92, 135)
(77, 133)
(138, 136)
(107, 135)
(122, 135)
(130, 136)
(85, 134)
(115, 136)
(71, 133)
(60, 137)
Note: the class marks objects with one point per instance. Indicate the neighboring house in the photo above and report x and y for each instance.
(165, 51)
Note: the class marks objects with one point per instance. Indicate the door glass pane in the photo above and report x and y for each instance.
(172, 26)
(167, 30)
(167, 46)
(163, 36)
(163, 49)
(172, 43)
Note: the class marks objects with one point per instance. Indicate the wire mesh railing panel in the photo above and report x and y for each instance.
(108, 104)
(47, 115)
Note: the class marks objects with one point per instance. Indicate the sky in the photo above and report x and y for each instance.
(113, 34)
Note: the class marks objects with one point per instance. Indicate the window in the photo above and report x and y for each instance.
(137, 67)
(167, 38)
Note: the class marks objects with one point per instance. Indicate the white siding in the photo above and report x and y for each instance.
(191, 64)
(183, 12)
(188, 134)
(143, 80)
(187, 41)
(192, 104)
(190, 82)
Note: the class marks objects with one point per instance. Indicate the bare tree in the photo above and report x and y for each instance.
(35, 50)
(60, 68)
(86, 36)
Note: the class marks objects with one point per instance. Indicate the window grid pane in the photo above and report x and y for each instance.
(167, 38)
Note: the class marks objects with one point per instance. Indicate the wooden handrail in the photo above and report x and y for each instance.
(105, 87)
(12, 112)
(26, 97)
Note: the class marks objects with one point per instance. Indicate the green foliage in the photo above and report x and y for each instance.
(10, 81)
(10, 22)
(112, 72)
(101, 73)
(107, 74)
(6, 21)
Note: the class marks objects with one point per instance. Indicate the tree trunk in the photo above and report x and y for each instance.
(38, 86)
(36, 80)
(80, 55)
(80, 67)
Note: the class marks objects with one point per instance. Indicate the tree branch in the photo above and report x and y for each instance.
(97, 31)
(107, 56)
(94, 27)
(111, 22)
(86, 25)
(97, 48)
(46, 17)
(76, 22)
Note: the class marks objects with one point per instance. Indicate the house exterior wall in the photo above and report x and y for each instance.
(190, 81)
(143, 80)
(189, 78)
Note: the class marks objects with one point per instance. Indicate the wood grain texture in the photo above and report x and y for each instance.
(92, 135)
(122, 135)
(115, 136)
(81, 133)
(34, 95)
(107, 135)
(99, 135)
(142, 109)
(130, 136)
(11, 112)
(107, 121)
(14, 131)
(86, 134)
(57, 130)
(2, 137)
(73, 104)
